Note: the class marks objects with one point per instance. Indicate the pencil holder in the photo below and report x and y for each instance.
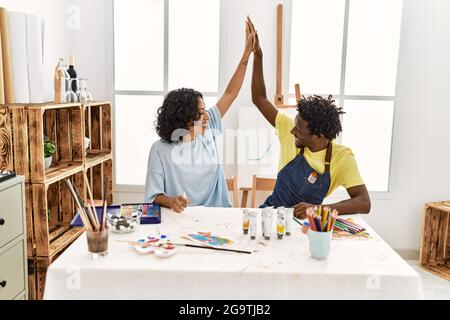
(97, 243)
(319, 244)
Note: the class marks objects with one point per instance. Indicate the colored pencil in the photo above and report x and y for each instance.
(321, 219)
(351, 227)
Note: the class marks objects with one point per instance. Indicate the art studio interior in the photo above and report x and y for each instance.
(181, 149)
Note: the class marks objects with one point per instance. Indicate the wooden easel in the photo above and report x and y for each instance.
(279, 98)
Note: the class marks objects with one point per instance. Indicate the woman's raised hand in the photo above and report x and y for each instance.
(248, 39)
(254, 34)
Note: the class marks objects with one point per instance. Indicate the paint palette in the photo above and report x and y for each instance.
(143, 250)
(166, 251)
(157, 246)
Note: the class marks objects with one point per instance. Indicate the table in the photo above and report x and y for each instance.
(278, 269)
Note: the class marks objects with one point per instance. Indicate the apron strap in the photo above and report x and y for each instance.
(302, 151)
(328, 157)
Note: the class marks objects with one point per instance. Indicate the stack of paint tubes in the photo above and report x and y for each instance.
(284, 218)
(321, 219)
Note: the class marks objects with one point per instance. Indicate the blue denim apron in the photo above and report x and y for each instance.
(295, 183)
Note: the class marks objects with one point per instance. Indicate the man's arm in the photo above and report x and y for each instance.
(235, 84)
(259, 96)
(359, 202)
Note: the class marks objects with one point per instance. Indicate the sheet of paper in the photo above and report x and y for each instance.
(35, 58)
(18, 44)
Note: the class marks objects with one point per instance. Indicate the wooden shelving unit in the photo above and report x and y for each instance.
(435, 247)
(50, 207)
(6, 154)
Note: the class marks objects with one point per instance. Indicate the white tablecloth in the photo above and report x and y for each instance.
(279, 269)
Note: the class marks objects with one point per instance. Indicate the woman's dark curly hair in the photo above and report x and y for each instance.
(322, 115)
(179, 110)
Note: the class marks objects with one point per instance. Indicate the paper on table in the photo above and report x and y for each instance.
(18, 38)
(198, 218)
(209, 240)
(6, 57)
(34, 57)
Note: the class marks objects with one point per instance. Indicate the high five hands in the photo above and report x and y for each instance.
(251, 32)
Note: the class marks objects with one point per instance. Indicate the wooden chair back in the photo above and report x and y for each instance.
(232, 185)
(261, 184)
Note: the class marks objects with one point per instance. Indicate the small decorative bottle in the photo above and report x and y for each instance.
(59, 82)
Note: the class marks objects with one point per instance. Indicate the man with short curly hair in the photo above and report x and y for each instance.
(312, 165)
(184, 166)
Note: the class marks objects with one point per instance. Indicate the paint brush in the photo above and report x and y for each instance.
(151, 244)
(103, 224)
(91, 206)
(210, 248)
(89, 215)
(82, 213)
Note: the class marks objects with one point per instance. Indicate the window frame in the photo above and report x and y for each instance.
(342, 97)
(127, 188)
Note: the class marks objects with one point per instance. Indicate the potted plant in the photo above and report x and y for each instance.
(49, 150)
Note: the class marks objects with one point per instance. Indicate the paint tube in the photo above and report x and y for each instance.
(253, 226)
(267, 222)
(245, 221)
(289, 214)
(280, 222)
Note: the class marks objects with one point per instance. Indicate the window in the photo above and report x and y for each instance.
(349, 49)
(158, 46)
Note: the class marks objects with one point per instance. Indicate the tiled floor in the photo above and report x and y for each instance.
(434, 288)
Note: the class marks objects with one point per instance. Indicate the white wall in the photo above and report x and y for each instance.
(57, 35)
(421, 148)
(420, 172)
(89, 45)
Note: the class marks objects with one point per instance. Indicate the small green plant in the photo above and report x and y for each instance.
(49, 148)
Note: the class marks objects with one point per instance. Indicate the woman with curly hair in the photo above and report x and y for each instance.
(184, 166)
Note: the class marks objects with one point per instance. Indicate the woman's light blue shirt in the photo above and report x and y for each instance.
(193, 167)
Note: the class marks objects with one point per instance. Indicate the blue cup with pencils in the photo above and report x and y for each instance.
(320, 230)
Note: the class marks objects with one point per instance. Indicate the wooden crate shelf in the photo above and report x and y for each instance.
(6, 148)
(65, 128)
(50, 206)
(435, 246)
(61, 237)
(97, 117)
(95, 159)
(60, 171)
(53, 210)
(97, 175)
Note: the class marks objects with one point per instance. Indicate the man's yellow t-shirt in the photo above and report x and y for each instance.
(343, 168)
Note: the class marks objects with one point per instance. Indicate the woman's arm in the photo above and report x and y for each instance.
(177, 204)
(235, 84)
